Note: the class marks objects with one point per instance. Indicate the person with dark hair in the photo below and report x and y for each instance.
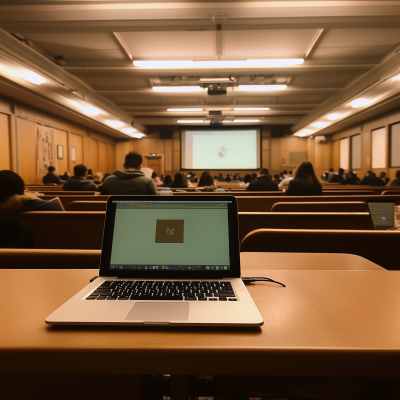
(247, 179)
(263, 182)
(178, 182)
(206, 181)
(370, 178)
(385, 179)
(352, 179)
(79, 182)
(277, 179)
(305, 183)
(89, 174)
(192, 177)
(129, 181)
(51, 177)
(65, 177)
(154, 176)
(14, 199)
(339, 177)
(167, 181)
(254, 176)
(286, 178)
(396, 181)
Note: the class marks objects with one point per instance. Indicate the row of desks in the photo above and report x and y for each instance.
(338, 316)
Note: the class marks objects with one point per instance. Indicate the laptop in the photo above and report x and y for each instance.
(166, 260)
(382, 213)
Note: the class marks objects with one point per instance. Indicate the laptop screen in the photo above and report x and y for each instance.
(382, 214)
(170, 236)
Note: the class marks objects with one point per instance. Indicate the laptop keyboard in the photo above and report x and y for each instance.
(168, 290)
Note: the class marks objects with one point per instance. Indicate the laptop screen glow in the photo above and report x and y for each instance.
(382, 214)
(173, 235)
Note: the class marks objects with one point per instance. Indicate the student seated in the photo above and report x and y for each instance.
(396, 181)
(263, 182)
(89, 174)
(305, 183)
(157, 181)
(167, 181)
(247, 179)
(352, 179)
(385, 179)
(286, 178)
(178, 182)
(14, 199)
(277, 179)
(129, 181)
(98, 178)
(337, 178)
(79, 181)
(370, 178)
(65, 177)
(206, 183)
(51, 177)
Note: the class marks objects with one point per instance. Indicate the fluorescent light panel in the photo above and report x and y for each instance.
(177, 89)
(244, 120)
(218, 63)
(27, 75)
(359, 103)
(184, 109)
(115, 124)
(190, 121)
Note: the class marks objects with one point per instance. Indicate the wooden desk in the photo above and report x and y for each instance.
(324, 323)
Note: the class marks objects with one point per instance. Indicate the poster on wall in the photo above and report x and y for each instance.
(45, 149)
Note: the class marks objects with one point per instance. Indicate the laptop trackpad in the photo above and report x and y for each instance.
(159, 312)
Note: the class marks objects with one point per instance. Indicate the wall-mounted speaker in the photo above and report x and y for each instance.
(277, 132)
(166, 133)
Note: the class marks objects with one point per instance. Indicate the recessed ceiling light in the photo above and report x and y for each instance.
(137, 135)
(87, 110)
(251, 109)
(184, 109)
(115, 124)
(301, 134)
(276, 62)
(129, 130)
(190, 121)
(306, 131)
(27, 75)
(244, 120)
(319, 125)
(359, 103)
(163, 63)
(333, 117)
(177, 89)
(261, 87)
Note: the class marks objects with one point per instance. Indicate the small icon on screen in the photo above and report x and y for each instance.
(208, 267)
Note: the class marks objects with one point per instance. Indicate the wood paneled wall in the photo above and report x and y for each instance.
(365, 130)
(18, 148)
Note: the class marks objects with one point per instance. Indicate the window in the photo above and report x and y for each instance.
(395, 145)
(379, 148)
(344, 153)
(356, 152)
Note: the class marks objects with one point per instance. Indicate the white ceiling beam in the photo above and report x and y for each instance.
(313, 44)
(123, 45)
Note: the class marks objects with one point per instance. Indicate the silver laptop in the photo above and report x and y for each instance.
(382, 213)
(170, 260)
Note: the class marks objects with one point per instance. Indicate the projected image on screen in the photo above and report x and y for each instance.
(221, 149)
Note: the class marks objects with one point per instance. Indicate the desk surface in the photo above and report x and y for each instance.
(325, 322)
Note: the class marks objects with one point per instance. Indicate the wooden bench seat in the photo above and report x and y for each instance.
(380, 247)
(84, 230)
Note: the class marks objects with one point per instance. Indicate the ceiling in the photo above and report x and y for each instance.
(343, 44)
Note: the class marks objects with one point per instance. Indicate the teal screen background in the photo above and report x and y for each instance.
(206, 237)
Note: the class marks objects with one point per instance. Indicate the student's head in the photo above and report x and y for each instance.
(370, 173)
(284, 172)
(306, 171)
(220, 175)
(247, 178)
(80, 171)
(290, 172)
(90, 171)
(254, 176)
(167, 180)
(341, 171)
(10, 184)
(330, 169)
(263, 172)
(178, 179)
(154, 175)
(133, 160)
(276, 177)
(206, 179)
(51, 169)
(397, 174)
(98, 176)
(382, 174)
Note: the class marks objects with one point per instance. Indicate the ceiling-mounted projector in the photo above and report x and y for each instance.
(216, 90)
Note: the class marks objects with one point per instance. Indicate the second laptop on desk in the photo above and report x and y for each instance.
(166, 261)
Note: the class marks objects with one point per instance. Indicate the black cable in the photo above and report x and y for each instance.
(250, 280)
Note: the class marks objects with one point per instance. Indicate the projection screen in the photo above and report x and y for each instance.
(220, 148)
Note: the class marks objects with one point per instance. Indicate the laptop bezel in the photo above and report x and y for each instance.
(380, 200)
(233, 229)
